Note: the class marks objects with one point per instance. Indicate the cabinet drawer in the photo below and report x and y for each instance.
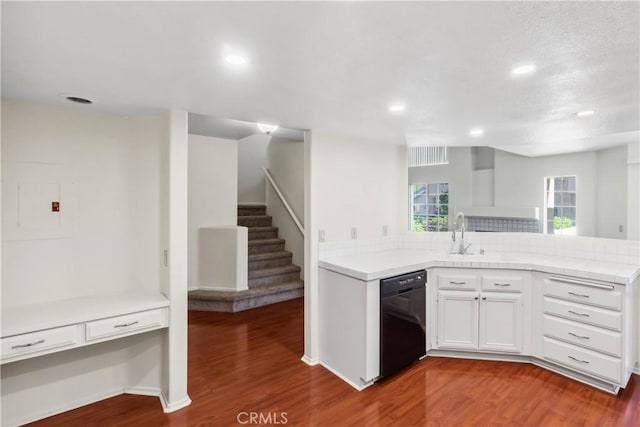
(583, 313)
(580, 359)
(458, 281)
(587, 336)
(125, 325)
(601, 295)
(34, 342)
(502, 283)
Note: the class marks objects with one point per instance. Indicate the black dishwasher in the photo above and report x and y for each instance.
(402, 321)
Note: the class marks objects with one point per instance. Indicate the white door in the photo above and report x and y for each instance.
(500, 323)
(457, 320)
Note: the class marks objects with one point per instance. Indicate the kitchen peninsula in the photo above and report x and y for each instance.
(519, 301)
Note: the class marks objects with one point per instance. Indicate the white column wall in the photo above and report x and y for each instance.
(213, 193)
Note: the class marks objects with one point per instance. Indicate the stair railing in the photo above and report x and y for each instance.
(284, 201)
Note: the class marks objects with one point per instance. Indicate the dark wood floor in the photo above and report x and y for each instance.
(250, 362)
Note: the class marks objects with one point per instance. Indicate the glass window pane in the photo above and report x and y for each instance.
(444, 210)
(420, 209)
(420, 198)
(433, 189)
(570, 213)
(557, 199)
(568, 199)
(571, 183)
(444, 187)
(433, 210)
(557, 184)
(432, 200)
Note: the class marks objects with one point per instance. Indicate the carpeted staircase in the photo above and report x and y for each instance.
(272, 276)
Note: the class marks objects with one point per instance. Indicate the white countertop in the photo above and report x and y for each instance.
(36, 317)
(376, 265)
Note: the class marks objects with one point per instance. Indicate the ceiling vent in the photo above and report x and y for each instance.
(430, 155)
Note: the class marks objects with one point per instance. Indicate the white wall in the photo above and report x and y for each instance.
(252, 158)
(611, 193)
(213, 191)
(285, 161)
(348, 182)
(520, 182)
(633, 199)
(112, 202)
(458, 173)
(359, 183)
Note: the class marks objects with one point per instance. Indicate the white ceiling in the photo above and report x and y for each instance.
(235, 129)
(336, 66)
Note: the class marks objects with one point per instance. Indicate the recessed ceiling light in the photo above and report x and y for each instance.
(585, 113)
(476, 132)
(267, 128)
(523, 69)
(236, 59)
(396, 108)
(78, 100)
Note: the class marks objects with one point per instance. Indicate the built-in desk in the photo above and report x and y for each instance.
(39, 329)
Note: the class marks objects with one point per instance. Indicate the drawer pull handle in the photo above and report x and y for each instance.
(581, 282)
(578, 295)
(578, 314)
(124, 325)
(458, 283)
(502, 284)
(582, 337)
(31, 344)
(578, 360)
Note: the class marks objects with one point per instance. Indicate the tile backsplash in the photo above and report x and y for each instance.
(586, 248)
(479, 223)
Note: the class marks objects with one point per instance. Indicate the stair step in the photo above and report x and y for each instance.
(289, 273)
(202, 300)
(251, 210)
(269, 259)
(254, 221)
(265, 245)
(261, 233)
(266, 272)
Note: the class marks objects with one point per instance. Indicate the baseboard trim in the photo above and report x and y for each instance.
(345, 379)
(168, 407)
(252, 203)
(309, 361)
(636, 369)
(143, 391)
(68, 406)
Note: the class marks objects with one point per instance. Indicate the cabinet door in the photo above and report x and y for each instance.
(500, 323)
(457, 320)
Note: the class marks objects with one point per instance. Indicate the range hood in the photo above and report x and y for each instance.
(501, 212)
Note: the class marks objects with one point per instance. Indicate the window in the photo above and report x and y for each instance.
(560, 205)
(429, 207)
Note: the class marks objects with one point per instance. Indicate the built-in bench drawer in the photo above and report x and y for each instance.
(502, 283)
(458, 281)
(591, 337)
(126, 324)
(40, 341)
(581, 359)
(583, 313)
(602, 295)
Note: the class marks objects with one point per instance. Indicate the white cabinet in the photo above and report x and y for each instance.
(500, 323)
(457, 320)
(490, 319)
(587, 327)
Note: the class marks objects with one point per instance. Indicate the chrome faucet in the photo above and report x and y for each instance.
(462, 249)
